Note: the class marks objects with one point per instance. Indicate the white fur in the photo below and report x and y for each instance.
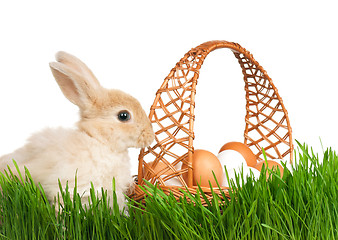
(59, 153)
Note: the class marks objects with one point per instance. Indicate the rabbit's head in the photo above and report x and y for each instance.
(110, 116)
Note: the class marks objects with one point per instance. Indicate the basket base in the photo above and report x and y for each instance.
(138, 194)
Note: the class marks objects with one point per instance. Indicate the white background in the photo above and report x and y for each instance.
(132, 46)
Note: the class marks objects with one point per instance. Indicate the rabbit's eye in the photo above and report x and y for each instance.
(124, 116)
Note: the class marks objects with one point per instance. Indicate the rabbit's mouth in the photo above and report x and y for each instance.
(145, 139)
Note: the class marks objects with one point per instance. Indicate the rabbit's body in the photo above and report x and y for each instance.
(61, 153)
(97, 150)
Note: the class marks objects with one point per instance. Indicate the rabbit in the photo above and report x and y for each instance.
(96, 150)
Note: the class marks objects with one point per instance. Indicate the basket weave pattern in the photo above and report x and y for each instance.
(172, 116)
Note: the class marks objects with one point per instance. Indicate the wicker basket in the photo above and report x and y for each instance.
(172, 116)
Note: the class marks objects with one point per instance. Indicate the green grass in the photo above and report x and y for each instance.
(301, 205)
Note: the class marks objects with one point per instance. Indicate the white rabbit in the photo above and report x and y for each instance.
(97, 149)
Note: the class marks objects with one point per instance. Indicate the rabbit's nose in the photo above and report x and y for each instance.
(146, 138)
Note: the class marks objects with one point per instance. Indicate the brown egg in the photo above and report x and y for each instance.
(203, 163)
(159, 167)
(244, 150)
(271, 164)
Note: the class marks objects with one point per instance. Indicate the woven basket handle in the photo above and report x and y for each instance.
(172, 115)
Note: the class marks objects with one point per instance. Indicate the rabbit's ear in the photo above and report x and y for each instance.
(79, 89)
(77, 65)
